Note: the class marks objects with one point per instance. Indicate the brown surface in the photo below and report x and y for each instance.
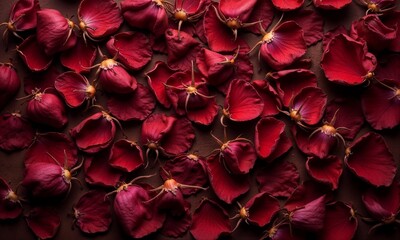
(11, 165)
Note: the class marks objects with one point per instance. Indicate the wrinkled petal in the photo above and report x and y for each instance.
(33, 55)
(156, 79)
(43, 222)
(99, 172)
(287, 5)
(382, 203)
(312, 24)
(327, 170)
(10, 206)
(310, 105)
(269, 96)
(262, 207)
(126, 156)
(311, 216)
(74, 88)
(16, 132)
(80, 57)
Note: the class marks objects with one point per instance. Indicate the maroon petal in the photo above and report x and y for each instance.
(155, 127)
(33, 55)
(312, 24)
(133, 49)
(331, 4)
(262, 10)
(242, 102)
(80, 57)
(309, 105)
(206, 115)
(261, 208)
(99, 19)
(311, 216)
(322, 141)
(93, 213)
(269, 137)
(176, 227)
(306, 193)
(156, 79)
(52, 145)
(327, 170)
(339, 217)
(23, 14)
(126, 155)
(16, 132)
(98, 171)
(239, 156)
(211, 216)
(10, 206)
(370, 159)
(387, 68)
(233, 9)
(41, 80)
(226, 186)
(383, 203)
(9, 83)
(392, 19)
(180, 138)
(74, 88)
(43, 222)
(182, 49)
(331, 34)
(287, 5)
(114, 78)
(301, 137)
(351, 57)
(269, 96)
(133, 106)
(279, 179)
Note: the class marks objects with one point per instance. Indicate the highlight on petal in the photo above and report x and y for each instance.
(126, 155)
(43, 222)
(156, 78)
(347, 61)
(369, 158)
(16, 132)
(287, 5)
(331, 4)
(327, 170)
(80, 57)
(209, 216)
(33, 55)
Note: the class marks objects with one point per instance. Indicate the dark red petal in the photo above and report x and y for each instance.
(327, 170)
(392, 19)
(310, 103)
(210, 221)
(322, 143)
(331, 34)
(16, 132)
(58, 145)
(176, 227)
(156, 79)
(269, 136)
(226, 186)
(278, 179)
(239, 156)
(301, 137)
(331, 4)
(242, 102)
(289, 83)
(287, 5)
(133, 49)
(371, 160)
(94, 133)
(126, 155)
(93, 212)
(262, 207)
(311, 216)
(79, 58)
(347, 61)
(286, 46)
(41, 80)
(269, 96)
(25, 12)
(43, 222)
(10, 208)
(308, 192)
(99, 172)
(132, 106)
(382, 203)
(116, 79)
(73, 87)
(388, 68)
(262, 10)
(33, 55)
(312, 24)
(381, 104)
(9, 83)
(339, 219)
(237, 9)
(155, 127)
(286, 232)
(101, 18)
(206, 115)
(180, 138)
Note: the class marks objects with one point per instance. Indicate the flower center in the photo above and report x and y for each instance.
(67, 175)
(171, 185)
(224, 146)
(269, 37)
(191, 90)
(369, 75)
(397, 93)
(347, 152)
(295, 115)
(152, 145)
(38, 96)
(123, 187)
(373, 7)
(328, 130)
(90, 91)
(181, 15)
(11, 27)
(12, 196)
(71, 24)
(389, 219)
(243, 213)
(108, 64)
(107, 116)
(16, 114)
(82, 26)
(225, 112)
(193, 157)
(158, 2)
(233, 23)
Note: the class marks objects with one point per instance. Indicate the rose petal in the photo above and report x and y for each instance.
(43, 222)
(331, 4)
(382, 203)
(126, 155)
(80, 57)
(310, 104)
(262, 207)
(269, 96)
(74, 88)
(33, 55)
(16, 132)
(10, 206)
(156, 79)
(327, 170)
(311, 216)
(287, 5)
(312, 24)
(41, 80)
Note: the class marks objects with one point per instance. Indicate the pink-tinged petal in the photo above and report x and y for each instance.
(23, 14)
(269, 137)
(52, 145)
(156, 79)
(289, 83)
(74, 88)
(226, 186)
(133, 49)
(41, 80)
(219, 36)
(306, 193)
(132, 106)
(242, 102)
(182, 49)
(349, 115)
(263, 10)
(287, 5)
(137, 217)
(331, 4)
(43, 222)
(99, 19)
(180, 138)
(388, 68)
(381, 105)
(10, 83)
(347, 61)
(93, 212)
(16, 132)
(210, 221)
(382, 203)
(155, 127)
(10, 206)
(94, 133)
(279, 179)
(310, 105)
(339, 218)
(312, 24)
(322, 141)
(331, 34)
(239, 156)
(80, 57)
(283, 46)
(176, 227)
(126, 156)
(370, 159)
(98, 171)
(269, 96)
(327, 170)
(262, 207)
(311, 216)
(33, 55)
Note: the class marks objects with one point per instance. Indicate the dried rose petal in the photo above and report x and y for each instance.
(327, 170)
(331, 4)
(10, 205)
(41, 80)
(9, 83)
(311, 216)
(287, 5)
(99, 172)
(16, 132)
(156, 78)
(261, 208)
(33, 54)
(126, 155)
(269, 96)
(80, 57)
(177, 226)
(306, 193)
(43, 222)
(311, 22)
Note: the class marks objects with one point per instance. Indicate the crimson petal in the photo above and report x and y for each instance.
(239, 156)
(126, 155)
(80, 57)
(74, 88)
(331, 4)
(308, 192)
(156, 79)
(383, 203)
(269, 96)
(180, 138)
(33, 54)
(43, 222)
(312, 24)
(262, 207)
(41, 80)
(25, 12)
(327, 170)
(311, 216)
(287, 5)
(10, 206)
(16, 132)
(98, 171)
(177, 226)
(9, 83)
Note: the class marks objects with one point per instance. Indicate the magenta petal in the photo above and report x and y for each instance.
(177, 226)
(44, 223)
(310, 105)
(16, 132)
(98, 171)
(370, 159)
(126, 156)
(287, 5)
(25, 11)
(74, 88)
(383, 203)
(308, 192)
(262, 207)
(311, 216)
(327, 170)
(33, 55)
(156, 79)
(10, 206)
(79, 58)
(238, 155)
(155, 127)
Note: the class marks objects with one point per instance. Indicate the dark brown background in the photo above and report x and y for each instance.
(350, 189)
